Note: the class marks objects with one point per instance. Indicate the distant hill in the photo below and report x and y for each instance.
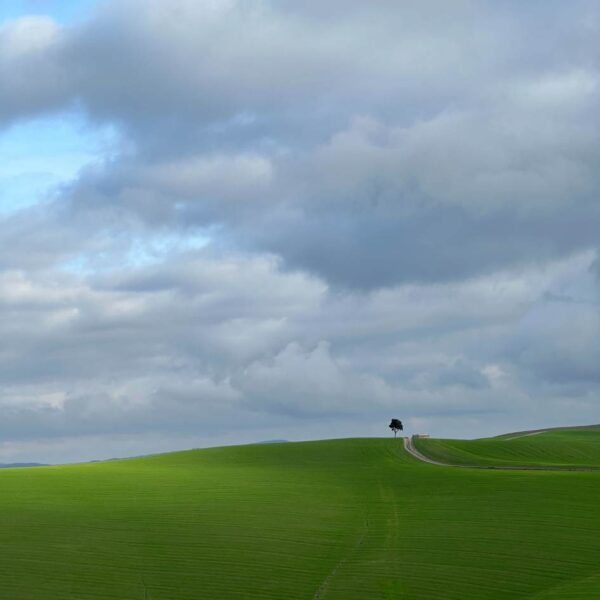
(19, 465)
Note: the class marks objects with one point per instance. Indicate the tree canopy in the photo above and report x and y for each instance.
(396, 426)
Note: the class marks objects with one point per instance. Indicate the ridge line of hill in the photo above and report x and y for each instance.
(545, 429)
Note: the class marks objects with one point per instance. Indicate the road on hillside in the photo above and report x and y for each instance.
(409, 446)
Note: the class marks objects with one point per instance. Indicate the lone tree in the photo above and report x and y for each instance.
(396, 426)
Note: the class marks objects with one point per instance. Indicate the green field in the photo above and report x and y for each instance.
(563, 448)
(344, 519)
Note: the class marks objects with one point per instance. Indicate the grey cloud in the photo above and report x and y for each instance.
(33, 78)
(398, 203)
(310, 383)
(462, 374)
(379, 205)
(476, 151)
(74, 350)
(216, 60)
(559, 343)
(445, 199)
(185, 345)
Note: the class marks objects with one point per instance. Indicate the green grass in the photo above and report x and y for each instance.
(344, 519)
(555, 448)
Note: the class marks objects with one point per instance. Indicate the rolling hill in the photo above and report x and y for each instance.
(341, 519)
(563, 447)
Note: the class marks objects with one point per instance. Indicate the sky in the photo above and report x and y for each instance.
(227, 221)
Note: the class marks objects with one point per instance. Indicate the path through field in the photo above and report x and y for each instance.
(410, 448)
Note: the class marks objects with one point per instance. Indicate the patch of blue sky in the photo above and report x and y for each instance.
(37, 156)
(154, 250)
(63, 11)
(140, 252)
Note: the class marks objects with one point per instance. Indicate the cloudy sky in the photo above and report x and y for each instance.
(226, 221)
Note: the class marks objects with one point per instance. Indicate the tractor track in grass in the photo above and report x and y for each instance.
(409, 446)
(324, 587)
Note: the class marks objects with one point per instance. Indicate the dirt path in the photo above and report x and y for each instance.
(409, 446)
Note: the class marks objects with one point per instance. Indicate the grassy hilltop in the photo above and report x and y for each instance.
(344, 519)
